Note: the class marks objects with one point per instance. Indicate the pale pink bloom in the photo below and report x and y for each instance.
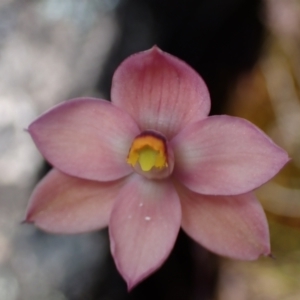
(151, 161)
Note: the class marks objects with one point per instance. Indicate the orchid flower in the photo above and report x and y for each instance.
(152, 161)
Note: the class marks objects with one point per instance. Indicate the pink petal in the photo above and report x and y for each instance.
(160, 91)
(87, 138)
(143, 227)
(65, 204)
(233, 226)
(224, 155)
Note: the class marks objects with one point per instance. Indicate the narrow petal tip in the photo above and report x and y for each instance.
(156, 49)
(271, 256)
(283, 156)
(27, 220)
(132, 284)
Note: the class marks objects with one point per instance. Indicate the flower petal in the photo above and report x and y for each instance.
(224, 155)
(160, 91)
(65, 204)
(143, 227)
(232, 226)
(87, 138)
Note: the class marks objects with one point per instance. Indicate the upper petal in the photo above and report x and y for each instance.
(160, 91)
(87, 138)
(224, 155)
(232, 226)
(65, 204)
(143, 227)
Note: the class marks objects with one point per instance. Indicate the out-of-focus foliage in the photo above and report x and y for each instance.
(269, 96)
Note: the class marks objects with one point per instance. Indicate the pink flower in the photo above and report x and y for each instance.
(151, 161)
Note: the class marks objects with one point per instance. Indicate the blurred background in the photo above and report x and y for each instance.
(248, 52)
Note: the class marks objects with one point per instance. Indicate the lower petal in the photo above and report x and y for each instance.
(143, 227)
(65, 204)
(232, 226)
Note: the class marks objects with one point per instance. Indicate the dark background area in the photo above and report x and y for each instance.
(219, 39)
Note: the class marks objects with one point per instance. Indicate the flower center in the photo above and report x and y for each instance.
(150, 156)
(149, 150)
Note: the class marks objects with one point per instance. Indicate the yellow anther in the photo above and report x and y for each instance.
(149, 151)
